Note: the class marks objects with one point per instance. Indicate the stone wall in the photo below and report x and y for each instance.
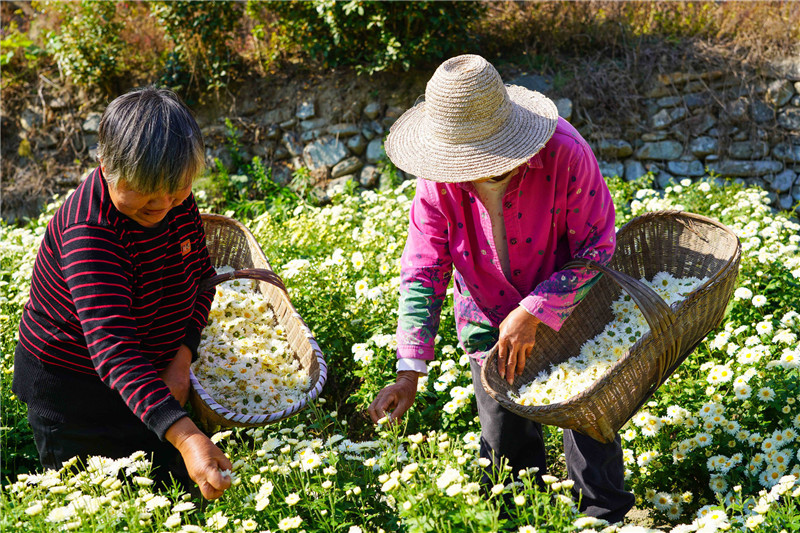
(690, 126)
(685, 125)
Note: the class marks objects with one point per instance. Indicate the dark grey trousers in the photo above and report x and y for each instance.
(597, 469)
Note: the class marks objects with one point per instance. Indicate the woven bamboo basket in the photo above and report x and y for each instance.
(682, 244)
(231, 243)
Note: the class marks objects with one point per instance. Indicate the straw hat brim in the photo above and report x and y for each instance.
(412, 147)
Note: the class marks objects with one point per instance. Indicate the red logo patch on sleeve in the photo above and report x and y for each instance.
(186, 247)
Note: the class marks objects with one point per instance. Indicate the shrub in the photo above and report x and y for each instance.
(202, 57)
(19, 55)
(88, 47)
(376, 36)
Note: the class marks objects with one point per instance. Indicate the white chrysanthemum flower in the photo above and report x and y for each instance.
(286, 524)
(766, 394)
(217, 521)
(743, 293)
(358, 261)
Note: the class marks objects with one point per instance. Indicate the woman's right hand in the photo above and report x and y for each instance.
(395, 399)
(204, 461)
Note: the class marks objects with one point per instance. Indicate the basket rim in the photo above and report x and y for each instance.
(311, 394)
(675, 214)
(647, 339)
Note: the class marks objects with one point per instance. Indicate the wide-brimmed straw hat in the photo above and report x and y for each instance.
(471, 125)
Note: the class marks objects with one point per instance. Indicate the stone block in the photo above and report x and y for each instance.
(313, 124)
(375, 150)
(273, 132)
(696, 100)
(535, 82)
(633, 170)
(372, 110)
(789, 119)
(669, 101)
(92, 122)
(324, 152)
(305, 110)
(693, 168)
(661, 119)
(783, 181)
(779, 92)
(357, 144)
(737, 109)
(30, 119)
(703, 146)
(312, 135)
(785, 202)
(369, 176)
(343, 130)
(293, 143)
(351, 165)
(662, 150)
(564, 106)
(611, 169)
(796, 191)
(748, 150)
(276, 116)
(665, 179)
(654, 136)
(788, 153)
(735, 168)
(761, 112)
(613, 148)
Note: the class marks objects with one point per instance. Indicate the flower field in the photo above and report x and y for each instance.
(717, 448)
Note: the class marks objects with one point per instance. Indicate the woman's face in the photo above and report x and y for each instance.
(146, 209)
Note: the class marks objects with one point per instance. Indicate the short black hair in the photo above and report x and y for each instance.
(149, 139)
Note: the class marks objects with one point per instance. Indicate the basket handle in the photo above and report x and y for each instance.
(656, 311)
(258, 274)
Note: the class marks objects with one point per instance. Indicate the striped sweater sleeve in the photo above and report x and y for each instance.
(202, 305)
(94, 264)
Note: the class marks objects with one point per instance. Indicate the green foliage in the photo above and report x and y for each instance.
(19, 248)
(88, 47)
(17, 51)
(247, 193)
(376, 36)
(202, 58)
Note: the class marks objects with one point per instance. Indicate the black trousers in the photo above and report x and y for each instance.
(597, 469)
(58, 442)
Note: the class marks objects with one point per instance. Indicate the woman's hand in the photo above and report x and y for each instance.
(517, 337)
(176, 375)
(204, 461)
(397, 397)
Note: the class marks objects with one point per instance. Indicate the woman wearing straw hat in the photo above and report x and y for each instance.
(508, 194)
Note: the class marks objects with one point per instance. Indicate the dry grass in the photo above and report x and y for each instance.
(607, 53)
(542, 29)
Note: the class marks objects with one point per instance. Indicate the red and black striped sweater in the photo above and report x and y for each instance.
(110, 303)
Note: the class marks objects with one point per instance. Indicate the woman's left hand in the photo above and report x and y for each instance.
(176, 375)
(517, 337)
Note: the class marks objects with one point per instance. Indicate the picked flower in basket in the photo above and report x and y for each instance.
(258, 362)
(673, 245)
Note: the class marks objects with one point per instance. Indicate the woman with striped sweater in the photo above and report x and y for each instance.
(114, 316)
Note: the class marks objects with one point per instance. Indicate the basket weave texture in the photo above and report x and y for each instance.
(682, 244)
(230, 243)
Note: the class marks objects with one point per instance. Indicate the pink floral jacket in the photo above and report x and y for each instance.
(559, 208)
